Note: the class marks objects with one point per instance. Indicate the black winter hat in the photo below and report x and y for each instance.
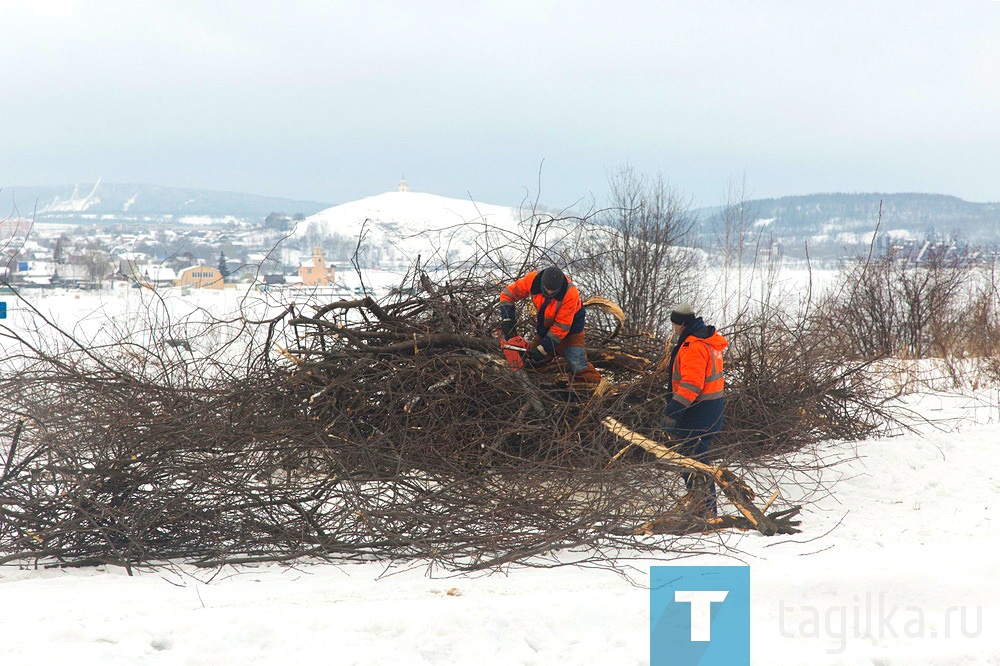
(682, 315)
(552, 279)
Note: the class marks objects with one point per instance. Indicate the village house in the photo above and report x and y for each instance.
(133, 265)
(158, 275)
(201, 277)
(315, 271)
(15, 227)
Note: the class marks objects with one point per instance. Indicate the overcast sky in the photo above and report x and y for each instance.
(334, 101)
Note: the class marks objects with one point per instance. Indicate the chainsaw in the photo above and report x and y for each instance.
(513, 349)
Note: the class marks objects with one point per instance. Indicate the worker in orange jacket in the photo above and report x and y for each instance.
(693, 415)
(559, 324)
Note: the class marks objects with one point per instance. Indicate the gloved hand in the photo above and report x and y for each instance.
(668, 423)
(508, 320)
(538, 354)
(507, 327)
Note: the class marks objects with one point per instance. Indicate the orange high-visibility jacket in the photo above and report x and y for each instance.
(697, 370)
(563, 314)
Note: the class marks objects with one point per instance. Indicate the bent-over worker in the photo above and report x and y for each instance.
(559, 326)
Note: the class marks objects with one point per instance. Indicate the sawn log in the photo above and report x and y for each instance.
(738, 492)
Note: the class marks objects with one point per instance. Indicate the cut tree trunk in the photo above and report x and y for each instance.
(738, 492)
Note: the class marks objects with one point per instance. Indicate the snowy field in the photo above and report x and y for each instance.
(898, 566)
(113, 314)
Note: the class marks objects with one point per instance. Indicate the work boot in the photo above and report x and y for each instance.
(700, 500)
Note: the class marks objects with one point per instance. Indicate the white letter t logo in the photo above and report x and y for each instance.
(701, 610)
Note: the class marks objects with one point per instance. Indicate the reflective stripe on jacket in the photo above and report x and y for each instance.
(562, 315)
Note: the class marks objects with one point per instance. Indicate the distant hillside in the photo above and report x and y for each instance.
(835, 223)
(78, 203)
(829, 225)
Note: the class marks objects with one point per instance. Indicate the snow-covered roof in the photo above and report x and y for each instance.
(160, 273)
(196, 267)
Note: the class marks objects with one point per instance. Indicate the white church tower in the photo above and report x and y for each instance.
(402, 185)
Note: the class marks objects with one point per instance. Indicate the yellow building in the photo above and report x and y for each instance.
(202, 277)
(315, 271)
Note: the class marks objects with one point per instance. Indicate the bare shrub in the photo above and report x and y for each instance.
(638, 259)
(787, 391)
(974, 343)
(896, 305)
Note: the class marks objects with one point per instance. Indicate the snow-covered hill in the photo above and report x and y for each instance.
(440, 230)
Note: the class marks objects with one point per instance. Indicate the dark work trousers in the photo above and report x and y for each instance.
(695, 431)
(698, 449)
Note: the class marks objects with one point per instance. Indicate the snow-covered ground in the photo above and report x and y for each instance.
(86, 314)
(898, 565)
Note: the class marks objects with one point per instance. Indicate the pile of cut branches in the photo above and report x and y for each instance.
(358, 429)
(420, 382)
